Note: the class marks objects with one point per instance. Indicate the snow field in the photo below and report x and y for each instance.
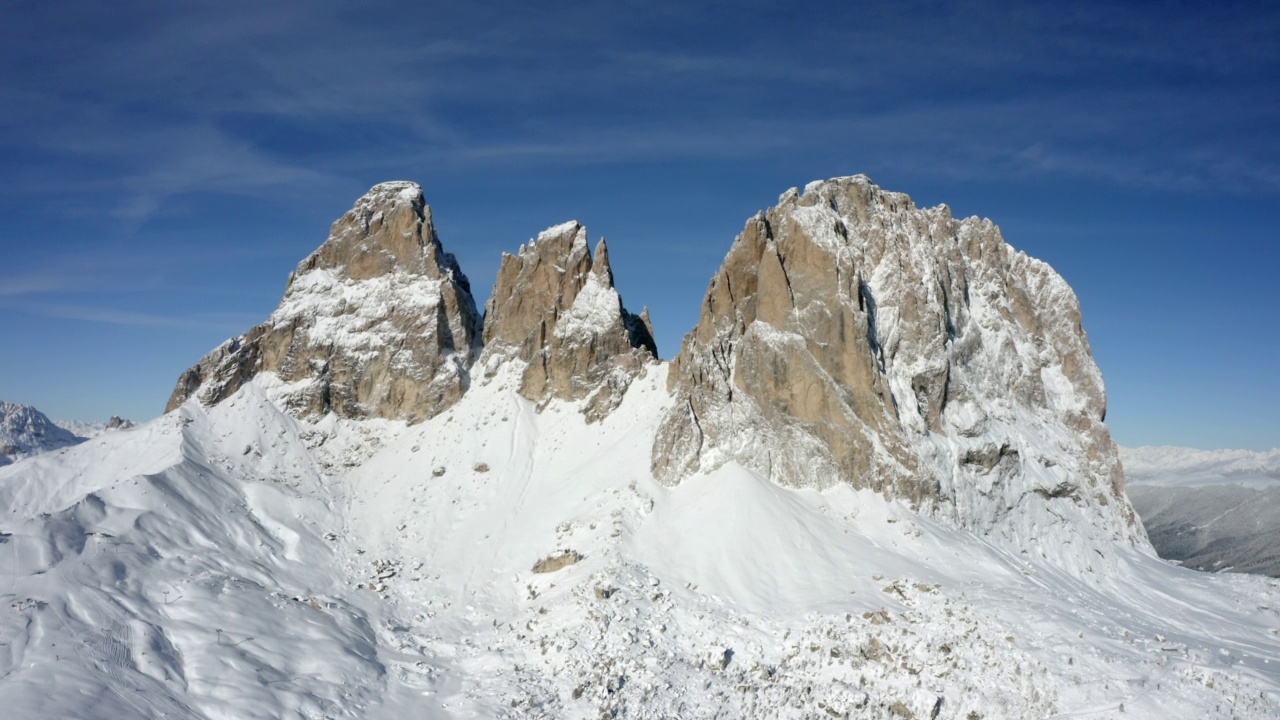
(233, 562)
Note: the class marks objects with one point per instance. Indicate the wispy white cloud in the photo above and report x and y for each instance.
(280, 100)
(34, 284)
(202, 158)
(228, 322)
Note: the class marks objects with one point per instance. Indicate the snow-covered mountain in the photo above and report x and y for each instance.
(1216, 510)
(851, 337)
(292, 541)
(377, 322)
(25, 431)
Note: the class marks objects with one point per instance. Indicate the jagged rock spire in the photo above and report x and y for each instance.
(600, 263)
(556, 308)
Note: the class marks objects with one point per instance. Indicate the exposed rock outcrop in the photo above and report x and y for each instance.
(117, 423)
(555, 307)
(850, 337)
(377, 322)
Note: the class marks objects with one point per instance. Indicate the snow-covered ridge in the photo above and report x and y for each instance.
(396, 192)
(357, 316)
(572, 226)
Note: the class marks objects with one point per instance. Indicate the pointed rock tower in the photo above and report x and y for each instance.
(851, 337)
(555, 307)
(377, 322)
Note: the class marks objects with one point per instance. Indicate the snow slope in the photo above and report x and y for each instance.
(233, 562)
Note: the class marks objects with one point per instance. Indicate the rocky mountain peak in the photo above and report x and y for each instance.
(536, 284)
(379, 321)
(554, 306)
(117, 423)
(388, 230)
(850, 336)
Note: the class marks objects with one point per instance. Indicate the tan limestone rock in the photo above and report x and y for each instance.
(851, 337)
(377, 322)
(555, 307)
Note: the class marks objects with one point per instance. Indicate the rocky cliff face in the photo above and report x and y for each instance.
(851, 337)
(554, 306)
(377, 322)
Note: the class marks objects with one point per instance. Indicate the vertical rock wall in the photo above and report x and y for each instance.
(850, 337)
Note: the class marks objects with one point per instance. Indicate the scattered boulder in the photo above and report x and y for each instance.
(559, 561)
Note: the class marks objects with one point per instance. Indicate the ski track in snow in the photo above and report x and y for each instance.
(109, 650)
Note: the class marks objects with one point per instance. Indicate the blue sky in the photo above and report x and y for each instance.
(165, 165)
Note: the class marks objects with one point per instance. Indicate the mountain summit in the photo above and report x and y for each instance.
(377, 322)
(849, 337)
(25, 431)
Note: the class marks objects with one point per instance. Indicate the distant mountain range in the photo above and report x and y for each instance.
(25, 431)
(1214, 510)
